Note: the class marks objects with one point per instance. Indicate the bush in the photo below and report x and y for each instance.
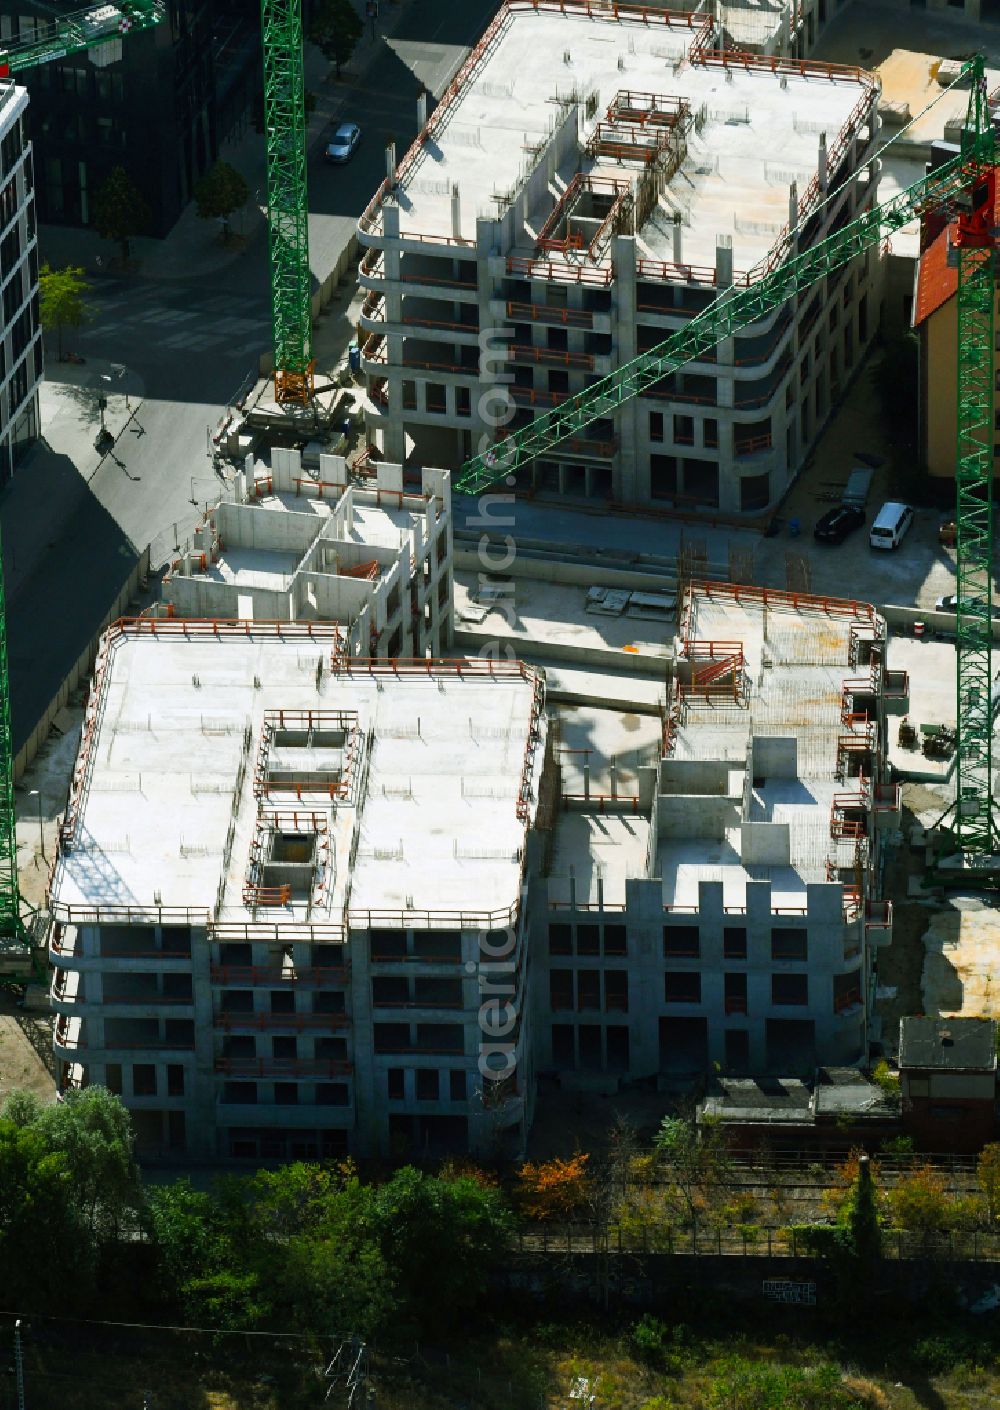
(760, 1385)
(669, 1349)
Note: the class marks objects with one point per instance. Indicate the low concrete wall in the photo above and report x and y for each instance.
(942, 623)
(81, 667)
(576, 574)
(597, 658)
(640, 1281)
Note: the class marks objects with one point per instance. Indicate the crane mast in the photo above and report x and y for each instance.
(287, 201)
(962, 188)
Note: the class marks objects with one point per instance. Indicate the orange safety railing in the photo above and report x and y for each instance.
(752, 445)
(254, 895)
(781, 600)
(550, 357)
(599, 275)
(543, 313)
(598, 450)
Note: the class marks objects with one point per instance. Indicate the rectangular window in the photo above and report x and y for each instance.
(560, 989)
(282, 1001)
(331, 1094)
(615, 940)
(737, 1049)
(683, 430)
(789, 989)
(143, 1080)
(427, 1084)
(682, 987)
(616, 990)
(175, 1080)
(588, 989)
(560, 940)
(711, 431)
(734, 942)
(286, 1094)
(789, 944)
(735, 987)
(395, 1079)
(588, 940)
(563, 1049)
(456, 1086)
(656, 425)
(681, 940)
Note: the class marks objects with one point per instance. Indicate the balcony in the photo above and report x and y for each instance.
(550, 317)
(274, 1022)
(240, 976)
(283, 1068)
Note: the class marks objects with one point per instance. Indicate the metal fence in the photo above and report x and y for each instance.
(743, 1241)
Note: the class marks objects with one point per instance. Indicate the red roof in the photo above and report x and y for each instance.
(936, 280)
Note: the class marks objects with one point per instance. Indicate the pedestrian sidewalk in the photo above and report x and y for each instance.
(194, 247)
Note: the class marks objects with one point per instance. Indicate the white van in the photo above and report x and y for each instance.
(891, 523)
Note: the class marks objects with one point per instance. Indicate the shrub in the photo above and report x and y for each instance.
(555, 1189)
(920, 1202)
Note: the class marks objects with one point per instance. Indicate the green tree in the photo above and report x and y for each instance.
(120, 211)
(62, 295)
(219, 193)
(921, 1202)
(92, 1131)
(335, 29)
(42, 1252)
(440, 1239)
(697, 1162)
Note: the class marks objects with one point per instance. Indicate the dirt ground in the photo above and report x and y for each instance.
(26, 1059)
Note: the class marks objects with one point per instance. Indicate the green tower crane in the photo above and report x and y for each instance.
(78, 30)
(287, 201)
(54, 39)
(963, 189)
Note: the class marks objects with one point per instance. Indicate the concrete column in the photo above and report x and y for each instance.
(456, 212)
(723, 261)
(422, 110)
(630, 479)
(678, 238)
(200, 1103)
(824, 175)
(390, 161)
(793, 205)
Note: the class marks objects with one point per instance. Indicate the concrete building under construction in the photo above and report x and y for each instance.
(374, 557)
(594, 176)
(278, 874)
(290, 884)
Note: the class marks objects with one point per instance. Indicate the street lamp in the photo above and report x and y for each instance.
(35, 793)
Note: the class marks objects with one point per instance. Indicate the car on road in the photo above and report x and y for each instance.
(836, 524)
(341, 145)
(949, 603)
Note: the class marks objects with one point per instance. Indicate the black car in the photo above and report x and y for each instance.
(837, 523)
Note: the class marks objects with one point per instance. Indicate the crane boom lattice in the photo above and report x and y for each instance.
(76, 31)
